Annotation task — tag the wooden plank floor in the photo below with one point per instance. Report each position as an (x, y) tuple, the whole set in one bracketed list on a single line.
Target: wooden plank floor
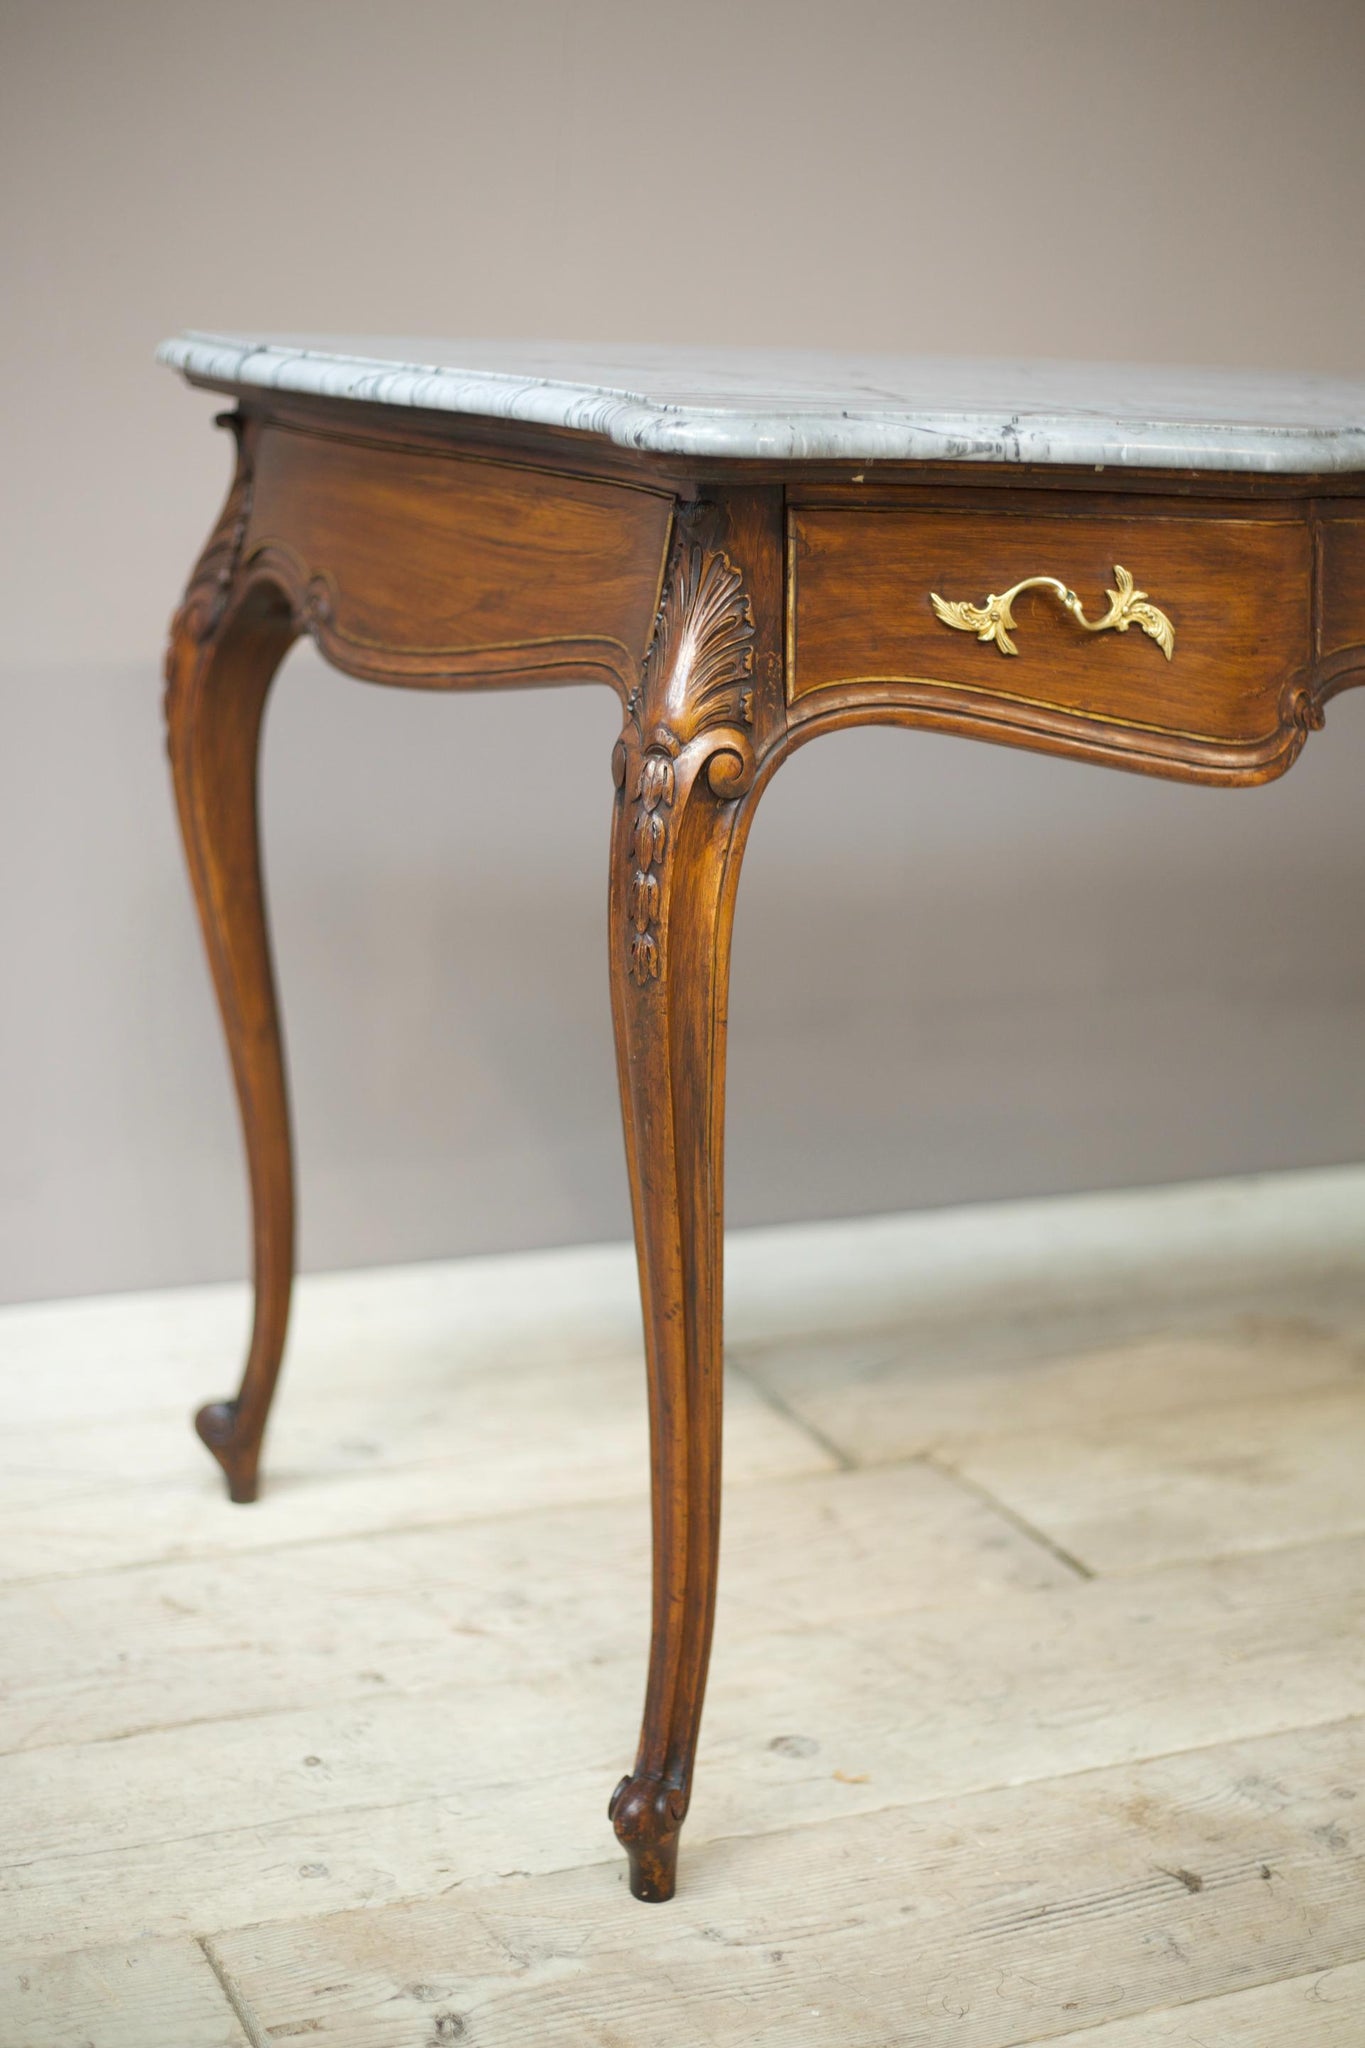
[(1038, 1702)]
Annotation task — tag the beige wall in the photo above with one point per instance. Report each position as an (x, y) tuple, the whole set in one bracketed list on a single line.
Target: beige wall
[(1045, 977)]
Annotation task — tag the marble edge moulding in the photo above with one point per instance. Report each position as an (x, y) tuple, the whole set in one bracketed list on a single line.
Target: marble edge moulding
[(804, 426)]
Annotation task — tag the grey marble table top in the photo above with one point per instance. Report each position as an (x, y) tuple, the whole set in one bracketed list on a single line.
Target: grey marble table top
[(790, 405)]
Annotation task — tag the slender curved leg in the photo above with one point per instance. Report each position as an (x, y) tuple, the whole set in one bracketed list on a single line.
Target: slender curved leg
[(223, 655), (684, 767)]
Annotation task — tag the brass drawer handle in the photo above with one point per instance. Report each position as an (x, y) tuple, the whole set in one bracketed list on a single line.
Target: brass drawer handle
[(1127, 607)]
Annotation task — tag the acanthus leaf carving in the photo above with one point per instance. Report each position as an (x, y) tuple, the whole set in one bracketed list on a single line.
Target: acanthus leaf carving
[(696, 683)]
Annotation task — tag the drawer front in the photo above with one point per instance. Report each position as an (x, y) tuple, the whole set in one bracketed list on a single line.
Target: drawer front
[(1237, 594)]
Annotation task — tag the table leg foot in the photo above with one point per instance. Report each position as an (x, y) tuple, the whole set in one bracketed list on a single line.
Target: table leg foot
[(238, 1455), (647, 1816)]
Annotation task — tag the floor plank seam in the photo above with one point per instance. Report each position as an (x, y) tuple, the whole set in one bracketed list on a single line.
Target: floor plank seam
[(957, 1795), (270, 1544), (844, 1460), (230, 1720), (437, 1687), (1182, 1561), (218, 1834), (246, 2019), (937, 1462), (968, 1792)]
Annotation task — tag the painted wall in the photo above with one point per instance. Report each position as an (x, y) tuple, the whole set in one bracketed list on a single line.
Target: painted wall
[(959, 972)]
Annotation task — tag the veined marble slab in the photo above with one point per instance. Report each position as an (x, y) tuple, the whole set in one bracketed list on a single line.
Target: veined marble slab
[(788, 404)]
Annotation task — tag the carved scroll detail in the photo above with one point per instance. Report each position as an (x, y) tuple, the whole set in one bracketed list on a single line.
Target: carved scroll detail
[(1303, 710), (695, 699)]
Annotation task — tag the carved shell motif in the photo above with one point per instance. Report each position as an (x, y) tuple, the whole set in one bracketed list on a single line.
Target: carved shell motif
[(702, 655)]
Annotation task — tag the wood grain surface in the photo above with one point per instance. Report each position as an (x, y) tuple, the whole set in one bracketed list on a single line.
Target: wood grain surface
[(439, 568)]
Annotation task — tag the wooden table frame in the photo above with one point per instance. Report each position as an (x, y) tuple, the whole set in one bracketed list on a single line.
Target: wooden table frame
[(739, 608)]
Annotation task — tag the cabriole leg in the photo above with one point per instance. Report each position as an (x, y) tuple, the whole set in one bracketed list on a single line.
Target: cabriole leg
[(685, 767), (223, 654)]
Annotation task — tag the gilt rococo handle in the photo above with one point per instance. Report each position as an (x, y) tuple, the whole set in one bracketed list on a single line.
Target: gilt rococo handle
[(1128, 606)]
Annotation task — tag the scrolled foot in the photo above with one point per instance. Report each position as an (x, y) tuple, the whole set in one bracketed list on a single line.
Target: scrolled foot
[(217, 1427), (647, 1815)]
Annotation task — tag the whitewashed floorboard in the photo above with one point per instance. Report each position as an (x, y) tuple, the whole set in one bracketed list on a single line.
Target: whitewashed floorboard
[(399, 1795), (1250, 1476), (1325, 2009), (150, 1994), (496, 1444), (893, 1394), (118, 1653), (951, 1790), (983, 1922)]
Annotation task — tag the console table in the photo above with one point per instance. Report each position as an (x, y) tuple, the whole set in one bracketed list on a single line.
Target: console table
[(1154, 570)]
